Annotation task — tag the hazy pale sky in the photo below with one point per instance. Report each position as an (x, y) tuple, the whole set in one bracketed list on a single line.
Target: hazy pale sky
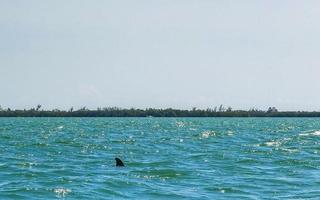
[(160, 53)]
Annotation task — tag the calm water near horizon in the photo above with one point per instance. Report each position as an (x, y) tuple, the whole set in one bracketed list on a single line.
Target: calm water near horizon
[(172, 158)]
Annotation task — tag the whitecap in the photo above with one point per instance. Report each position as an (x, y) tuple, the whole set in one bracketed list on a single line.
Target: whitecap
[(273, 143), (290, 150), (207, 134), (315, 133), (61, 192), (180, 124), (230, 133)]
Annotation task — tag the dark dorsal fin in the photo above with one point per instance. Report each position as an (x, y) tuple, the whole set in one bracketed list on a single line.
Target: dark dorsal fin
[(119, 163)]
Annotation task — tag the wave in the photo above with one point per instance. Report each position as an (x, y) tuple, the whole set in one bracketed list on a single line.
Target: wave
[(314, 133), (61, 192), (207, 134)]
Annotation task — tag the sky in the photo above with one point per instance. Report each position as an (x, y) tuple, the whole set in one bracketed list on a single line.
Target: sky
[(160, 53)]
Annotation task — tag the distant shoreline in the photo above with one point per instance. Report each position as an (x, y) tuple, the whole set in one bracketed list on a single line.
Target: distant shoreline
[(169, 112)]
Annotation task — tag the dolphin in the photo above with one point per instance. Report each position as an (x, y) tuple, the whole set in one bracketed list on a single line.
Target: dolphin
[(119, 163)]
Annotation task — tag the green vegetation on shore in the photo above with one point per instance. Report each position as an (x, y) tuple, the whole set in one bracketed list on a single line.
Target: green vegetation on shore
[(151, 112)]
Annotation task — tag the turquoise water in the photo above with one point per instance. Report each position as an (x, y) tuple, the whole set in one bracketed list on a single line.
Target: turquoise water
[(173, 158)]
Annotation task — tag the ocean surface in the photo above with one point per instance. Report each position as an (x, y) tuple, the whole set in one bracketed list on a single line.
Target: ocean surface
[(165, 158)]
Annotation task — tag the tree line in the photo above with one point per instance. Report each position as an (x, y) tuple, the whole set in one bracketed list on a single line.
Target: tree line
[(220, 111)]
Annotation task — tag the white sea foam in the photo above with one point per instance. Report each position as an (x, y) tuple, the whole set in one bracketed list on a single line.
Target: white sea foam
[(229, 133), (180, 124), (61, 192), (273, 143), (315, 133), (207, 134), (290, 150)]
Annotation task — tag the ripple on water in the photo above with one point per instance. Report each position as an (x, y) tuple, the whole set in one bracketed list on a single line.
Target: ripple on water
[(185, 158), (162, 173)]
